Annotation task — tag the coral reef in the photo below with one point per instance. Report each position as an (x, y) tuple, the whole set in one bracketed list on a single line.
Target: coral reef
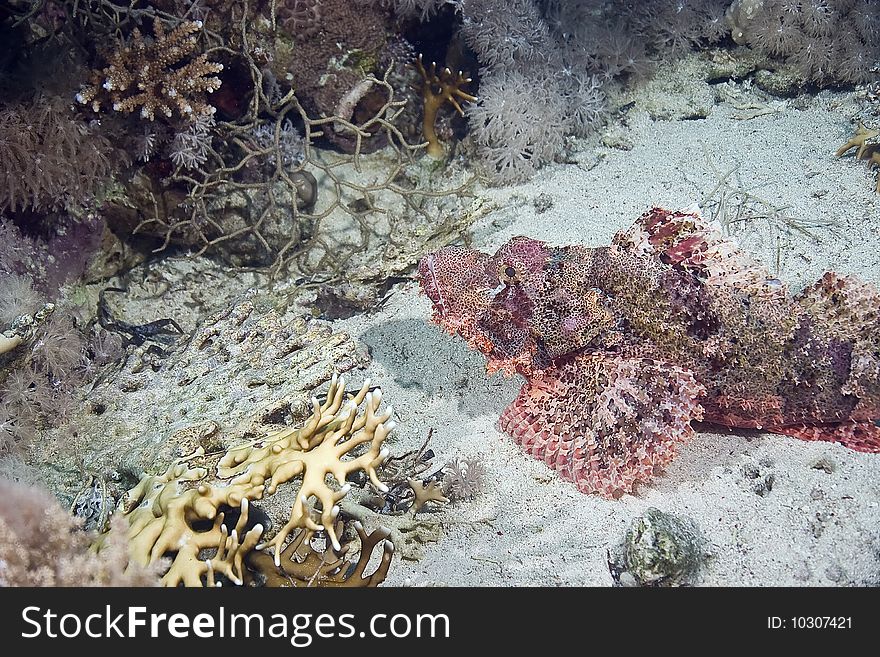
[(157, 77), (234, 115), (43, 256), (165, 512), (51, 161), (622, 346), (326, 49), (272, 215), (245, 370), (546, 65)]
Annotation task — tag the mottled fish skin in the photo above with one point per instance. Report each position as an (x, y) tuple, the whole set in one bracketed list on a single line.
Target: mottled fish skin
[(672, 297)]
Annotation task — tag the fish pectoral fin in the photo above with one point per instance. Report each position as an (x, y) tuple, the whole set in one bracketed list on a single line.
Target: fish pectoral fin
[(858, 436), (605, 422)]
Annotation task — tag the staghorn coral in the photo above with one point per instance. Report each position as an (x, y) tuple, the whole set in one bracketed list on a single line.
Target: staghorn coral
[(622, 346), (156, 77), (165, 512)]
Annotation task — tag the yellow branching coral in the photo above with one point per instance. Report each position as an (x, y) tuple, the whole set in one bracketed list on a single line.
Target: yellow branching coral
[(313, 452), (425, 492), (858, 141), (866, 149), (182, 511), (156, 77), (440, 88)]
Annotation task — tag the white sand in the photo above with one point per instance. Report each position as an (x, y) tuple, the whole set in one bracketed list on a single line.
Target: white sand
[(528, 527)]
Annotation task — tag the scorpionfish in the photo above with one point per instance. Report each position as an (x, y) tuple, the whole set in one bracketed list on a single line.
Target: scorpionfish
[(623, 346)]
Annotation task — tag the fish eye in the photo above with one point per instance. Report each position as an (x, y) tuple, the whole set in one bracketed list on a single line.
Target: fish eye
[(510, 272)]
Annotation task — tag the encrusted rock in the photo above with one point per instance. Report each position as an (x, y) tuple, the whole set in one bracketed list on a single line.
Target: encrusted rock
[(662, 549), (243, 370)]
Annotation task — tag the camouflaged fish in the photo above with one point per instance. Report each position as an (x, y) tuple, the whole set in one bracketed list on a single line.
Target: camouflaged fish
[(623, 346)]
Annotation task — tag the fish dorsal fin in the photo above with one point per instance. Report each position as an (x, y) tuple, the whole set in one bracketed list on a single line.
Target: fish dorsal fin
[(686, 239)]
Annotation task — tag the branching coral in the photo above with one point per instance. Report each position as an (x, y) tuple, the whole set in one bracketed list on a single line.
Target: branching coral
[(426, 492), (164, 512), (866, 149), (302, 565), (440, 88), (158, 77)]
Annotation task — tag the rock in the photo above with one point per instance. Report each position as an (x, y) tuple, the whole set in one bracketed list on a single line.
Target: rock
[(679, 92), (662, 549), (244, 371)]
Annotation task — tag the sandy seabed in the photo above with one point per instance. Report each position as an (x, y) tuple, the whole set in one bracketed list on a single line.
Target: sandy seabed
[(774, 510)]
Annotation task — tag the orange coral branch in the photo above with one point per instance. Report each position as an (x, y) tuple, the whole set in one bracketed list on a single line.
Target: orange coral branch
[(438, 89)]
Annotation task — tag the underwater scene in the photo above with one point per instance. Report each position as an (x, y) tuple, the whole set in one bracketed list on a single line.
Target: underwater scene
[(349, 293)]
